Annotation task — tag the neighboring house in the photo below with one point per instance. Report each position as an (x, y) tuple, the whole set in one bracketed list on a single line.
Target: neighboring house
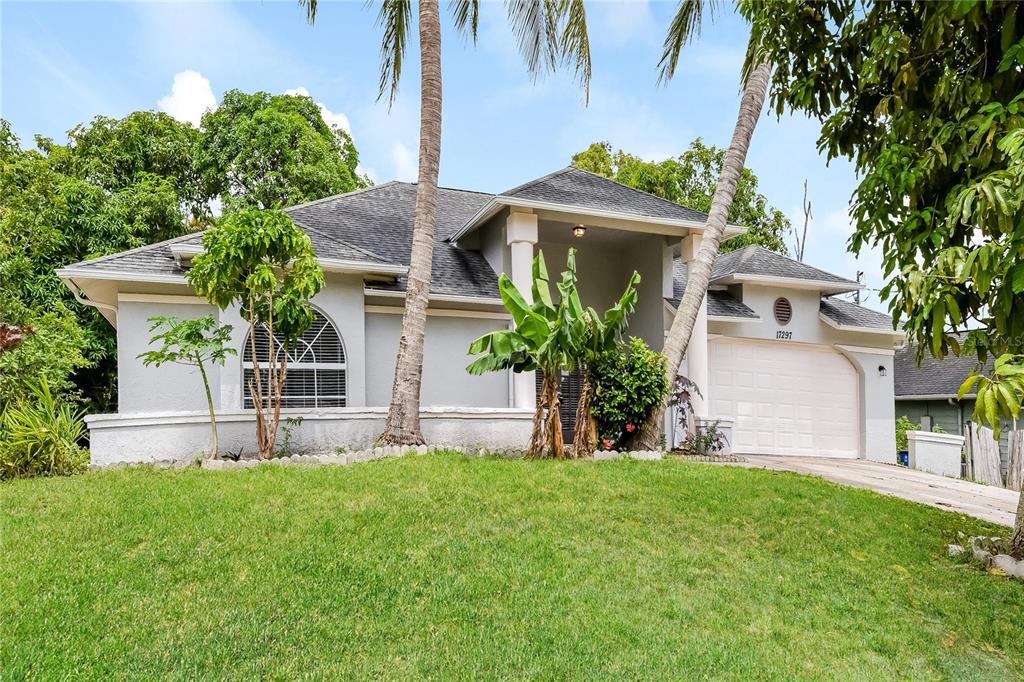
[(797, 370), (926, 393)]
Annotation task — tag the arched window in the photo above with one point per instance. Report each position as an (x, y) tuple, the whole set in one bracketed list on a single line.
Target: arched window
[(316, 366)]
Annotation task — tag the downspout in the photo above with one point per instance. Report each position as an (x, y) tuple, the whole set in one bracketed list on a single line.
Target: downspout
[(79, 295), (959, 415)]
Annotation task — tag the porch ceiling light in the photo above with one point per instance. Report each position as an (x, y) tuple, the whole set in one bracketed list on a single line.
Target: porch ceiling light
[(579, 230)]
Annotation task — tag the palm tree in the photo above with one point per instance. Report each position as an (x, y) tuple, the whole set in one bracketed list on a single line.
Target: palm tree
[(756, 74), (549, 32)]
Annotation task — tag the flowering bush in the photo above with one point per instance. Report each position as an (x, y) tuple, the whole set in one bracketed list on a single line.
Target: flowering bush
[(629, 381)]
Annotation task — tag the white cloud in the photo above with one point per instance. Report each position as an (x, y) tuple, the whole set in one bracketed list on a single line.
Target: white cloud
[(406, 163), (330, 118), (191, 96)]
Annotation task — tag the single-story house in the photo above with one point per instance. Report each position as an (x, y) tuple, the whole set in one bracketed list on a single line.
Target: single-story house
[(926, 393), (796, 369)]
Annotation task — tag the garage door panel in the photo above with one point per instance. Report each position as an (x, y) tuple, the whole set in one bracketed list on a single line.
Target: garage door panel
[(785, 399)]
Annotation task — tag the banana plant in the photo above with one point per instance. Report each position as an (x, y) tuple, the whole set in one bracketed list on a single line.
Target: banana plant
[(545, 337), (553, 338), (601, 334)]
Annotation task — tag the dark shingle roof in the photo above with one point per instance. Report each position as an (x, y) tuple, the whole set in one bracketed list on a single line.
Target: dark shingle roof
[(372, 225), (852, 315), (757, 260), (152, 259), (380, 220), (574, 187), (720, 303), (933, 377)]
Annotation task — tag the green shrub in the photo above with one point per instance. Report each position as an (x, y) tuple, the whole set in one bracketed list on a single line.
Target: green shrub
[(629, 382), (41, 437), (53, 352), (903, 424)]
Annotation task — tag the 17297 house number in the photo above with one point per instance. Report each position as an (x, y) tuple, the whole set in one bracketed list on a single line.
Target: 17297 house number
[(784, 335)]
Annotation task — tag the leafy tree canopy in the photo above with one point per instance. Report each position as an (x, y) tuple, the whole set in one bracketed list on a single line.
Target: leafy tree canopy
[(267, 151), (117, 184), (690, 179), (926, 98)]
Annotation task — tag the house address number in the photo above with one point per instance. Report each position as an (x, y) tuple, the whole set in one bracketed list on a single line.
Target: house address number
[(784, 335)]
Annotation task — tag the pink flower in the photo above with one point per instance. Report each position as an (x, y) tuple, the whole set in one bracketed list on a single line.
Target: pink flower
[(630, 428), (607, 442)]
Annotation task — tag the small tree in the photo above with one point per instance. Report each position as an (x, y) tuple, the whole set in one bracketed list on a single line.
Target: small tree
[(262, 262), (193, 343)]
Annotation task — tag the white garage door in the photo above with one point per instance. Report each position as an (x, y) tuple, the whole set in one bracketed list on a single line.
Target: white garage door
[(785, 399)]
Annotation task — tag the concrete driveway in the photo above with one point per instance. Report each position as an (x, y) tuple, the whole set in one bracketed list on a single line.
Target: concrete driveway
[(985, 502)]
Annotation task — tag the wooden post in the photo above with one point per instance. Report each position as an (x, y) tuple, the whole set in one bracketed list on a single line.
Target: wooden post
[(1015, 469), (983, 464)]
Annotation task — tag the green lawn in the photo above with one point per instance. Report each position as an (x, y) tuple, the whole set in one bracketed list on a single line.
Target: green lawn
[(448, 567)]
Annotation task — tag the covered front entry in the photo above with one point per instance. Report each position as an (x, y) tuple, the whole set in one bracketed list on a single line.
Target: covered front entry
[(786, 399)]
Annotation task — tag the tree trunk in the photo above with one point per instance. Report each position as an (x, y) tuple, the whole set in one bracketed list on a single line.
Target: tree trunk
[(556, 444), (1017, 543), (584, 440), (699, 271), (209, 404), (537, 437), (403, 422)]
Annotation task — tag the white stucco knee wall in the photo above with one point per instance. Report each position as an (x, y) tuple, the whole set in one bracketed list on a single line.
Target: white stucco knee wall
[(936, 453), (185, 435)]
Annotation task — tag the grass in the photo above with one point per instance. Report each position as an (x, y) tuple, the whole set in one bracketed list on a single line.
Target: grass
[(448, 567)]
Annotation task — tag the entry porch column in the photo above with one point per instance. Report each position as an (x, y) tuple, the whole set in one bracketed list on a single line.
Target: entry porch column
[(697, 350), (521, 233)]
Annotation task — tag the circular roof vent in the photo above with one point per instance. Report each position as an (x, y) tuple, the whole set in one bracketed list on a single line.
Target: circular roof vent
[(783, 311)]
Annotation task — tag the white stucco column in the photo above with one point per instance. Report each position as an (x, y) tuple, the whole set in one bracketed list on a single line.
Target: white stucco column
[(521, 231), (697, 351)]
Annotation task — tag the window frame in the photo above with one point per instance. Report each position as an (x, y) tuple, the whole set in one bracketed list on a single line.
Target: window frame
[(248, 403)]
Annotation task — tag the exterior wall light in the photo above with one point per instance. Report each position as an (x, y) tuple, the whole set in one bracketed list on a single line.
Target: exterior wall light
[(579, 230), (882, 371)]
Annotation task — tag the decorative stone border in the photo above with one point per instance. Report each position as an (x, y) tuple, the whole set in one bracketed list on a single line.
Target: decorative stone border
[(337, 459), (644, 455), (986, 551), (370, 454), (732, 459)]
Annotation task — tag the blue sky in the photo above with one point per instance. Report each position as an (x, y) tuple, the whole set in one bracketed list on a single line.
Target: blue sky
[(63, 63)]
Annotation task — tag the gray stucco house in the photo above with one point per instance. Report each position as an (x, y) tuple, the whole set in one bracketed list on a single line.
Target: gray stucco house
[(926, 393), (793, 368)]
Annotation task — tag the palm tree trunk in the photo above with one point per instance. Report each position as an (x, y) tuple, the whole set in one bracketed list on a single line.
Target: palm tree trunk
[(403, 423), (699, 271)]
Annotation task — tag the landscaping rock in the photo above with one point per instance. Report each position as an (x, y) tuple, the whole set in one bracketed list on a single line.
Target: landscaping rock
[(1009, 565), (955, 550), (646, 455), (604, 455)]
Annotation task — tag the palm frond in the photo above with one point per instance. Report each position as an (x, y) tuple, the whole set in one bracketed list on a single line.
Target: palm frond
[(394, 18), (310, 7), (685, 27), (576, 42), (534, 25), (466, 14)]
